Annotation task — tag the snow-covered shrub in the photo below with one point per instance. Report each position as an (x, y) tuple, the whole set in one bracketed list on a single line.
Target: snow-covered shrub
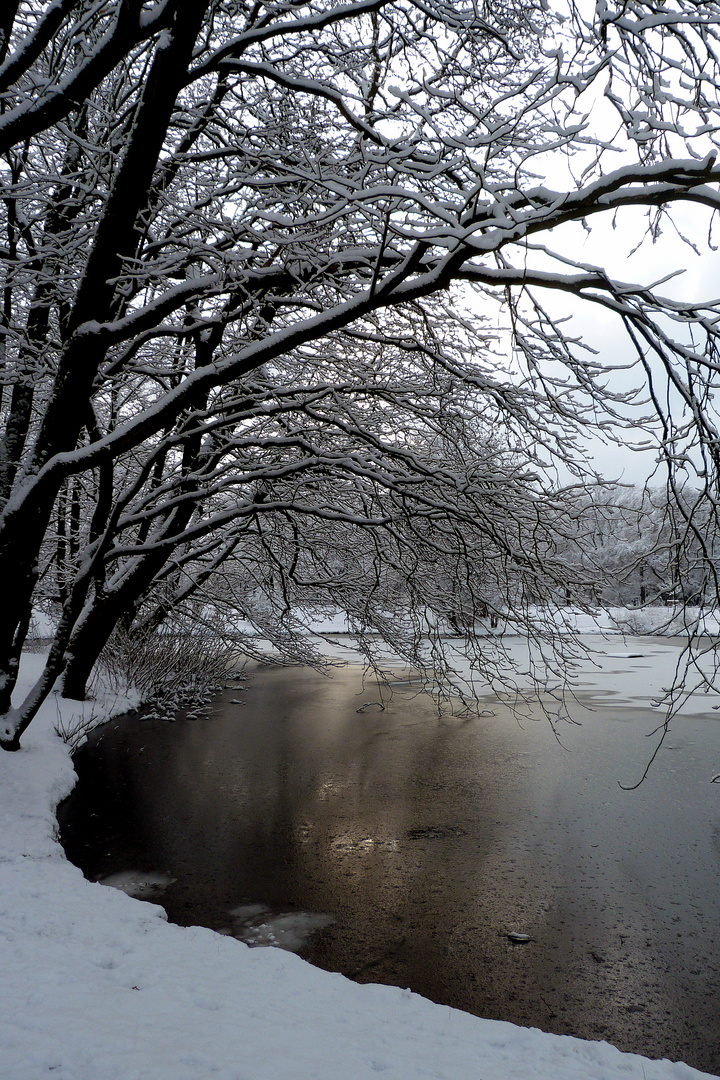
[(178, 666), (675, 621), (75, 730)]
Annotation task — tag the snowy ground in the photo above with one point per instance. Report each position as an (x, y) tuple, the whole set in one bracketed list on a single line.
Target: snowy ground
[(665, 621), (97, 986)]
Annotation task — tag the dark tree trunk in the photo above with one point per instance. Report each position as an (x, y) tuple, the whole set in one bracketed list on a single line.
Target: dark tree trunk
[(26, 522), (7, 19), (87, 644)]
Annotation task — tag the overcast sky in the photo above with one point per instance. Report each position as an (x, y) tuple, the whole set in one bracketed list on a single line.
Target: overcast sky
[(612, 249)]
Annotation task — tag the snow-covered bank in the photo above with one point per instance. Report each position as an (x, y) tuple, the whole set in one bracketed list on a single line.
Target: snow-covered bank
[(96, 986), (662, 621)]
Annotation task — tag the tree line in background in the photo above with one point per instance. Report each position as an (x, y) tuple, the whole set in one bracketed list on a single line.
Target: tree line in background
[(638, 546), (282, 319)]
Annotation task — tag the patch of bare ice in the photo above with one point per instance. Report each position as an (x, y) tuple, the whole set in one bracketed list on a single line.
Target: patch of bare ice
[(142, 886), (257, 926)]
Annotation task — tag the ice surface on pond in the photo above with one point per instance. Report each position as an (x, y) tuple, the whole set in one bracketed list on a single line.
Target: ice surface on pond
[(135, 883), (96, 987), (257, 926), (248, 911)]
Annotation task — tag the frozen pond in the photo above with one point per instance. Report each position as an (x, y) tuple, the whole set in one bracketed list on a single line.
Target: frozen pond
[(399, 847)]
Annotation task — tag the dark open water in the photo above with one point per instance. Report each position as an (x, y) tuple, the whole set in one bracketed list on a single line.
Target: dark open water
[(427, 840)]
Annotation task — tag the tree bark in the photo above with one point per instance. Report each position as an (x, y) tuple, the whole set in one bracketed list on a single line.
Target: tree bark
[(22, 536)]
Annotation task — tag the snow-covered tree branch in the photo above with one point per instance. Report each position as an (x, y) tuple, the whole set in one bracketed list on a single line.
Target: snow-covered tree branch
[(275, 276)]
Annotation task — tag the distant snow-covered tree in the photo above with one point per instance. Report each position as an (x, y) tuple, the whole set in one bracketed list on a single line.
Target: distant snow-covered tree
[(636, 546)]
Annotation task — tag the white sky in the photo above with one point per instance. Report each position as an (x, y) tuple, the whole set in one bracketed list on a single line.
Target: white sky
[(612, 249), (621, 246)]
